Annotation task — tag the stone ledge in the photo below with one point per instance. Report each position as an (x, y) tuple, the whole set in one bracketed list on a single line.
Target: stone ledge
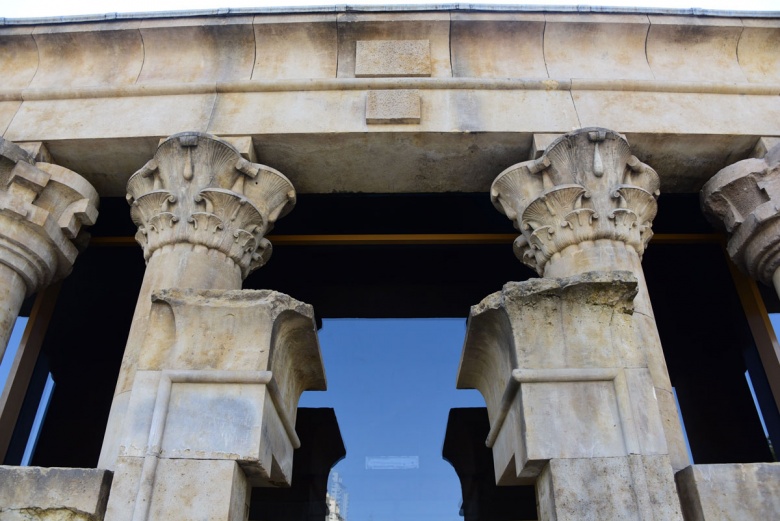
[(53, 493), (730, 491)]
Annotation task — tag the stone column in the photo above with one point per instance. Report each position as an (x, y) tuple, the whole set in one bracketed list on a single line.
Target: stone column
[(570, 365), (42, 209), (202, 211), (744, 199)]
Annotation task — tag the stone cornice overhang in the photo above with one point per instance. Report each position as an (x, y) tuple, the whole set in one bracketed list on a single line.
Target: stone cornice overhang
[(693, 90)]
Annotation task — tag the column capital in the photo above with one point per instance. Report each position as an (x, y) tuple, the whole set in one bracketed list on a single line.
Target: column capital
[(744, 199), (586, 186), (42, 210), (199, 190)]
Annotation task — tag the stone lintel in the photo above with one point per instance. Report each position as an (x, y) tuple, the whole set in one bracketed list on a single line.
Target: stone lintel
[(730, 491), (53, 493), (392, 58), (393, 107)]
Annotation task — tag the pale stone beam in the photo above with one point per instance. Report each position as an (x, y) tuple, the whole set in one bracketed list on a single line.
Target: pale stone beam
[(202, 212), (42, 210)]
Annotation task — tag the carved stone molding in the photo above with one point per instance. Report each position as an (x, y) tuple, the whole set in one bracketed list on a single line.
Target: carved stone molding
[(42, 210), (744, 199), (199, 190), (585, 187)]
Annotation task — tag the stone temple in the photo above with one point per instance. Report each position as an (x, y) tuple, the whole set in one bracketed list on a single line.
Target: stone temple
[(597, 192)]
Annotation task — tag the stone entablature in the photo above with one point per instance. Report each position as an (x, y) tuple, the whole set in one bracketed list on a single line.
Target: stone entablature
[(289, 80)]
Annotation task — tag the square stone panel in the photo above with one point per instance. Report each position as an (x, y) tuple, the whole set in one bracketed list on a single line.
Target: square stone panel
[(392, 58), (393, 106)]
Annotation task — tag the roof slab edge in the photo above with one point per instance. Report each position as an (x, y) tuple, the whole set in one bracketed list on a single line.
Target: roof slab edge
[(348, 8)]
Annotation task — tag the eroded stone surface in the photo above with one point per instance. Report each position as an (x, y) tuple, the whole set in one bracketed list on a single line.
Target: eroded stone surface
[(743, 199), (615, 489), (221, 373), (730, 492), (392, 58), (393, 106), (53, 494), (42, 210), (565, 345)]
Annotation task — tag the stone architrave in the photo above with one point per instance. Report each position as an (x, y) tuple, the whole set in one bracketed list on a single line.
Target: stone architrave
[(587, 204), (570, 365), (42, 210), (743, 199), (202, 212), (213, 405)]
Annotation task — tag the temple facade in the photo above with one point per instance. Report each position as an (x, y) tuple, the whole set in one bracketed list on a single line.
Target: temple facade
[(597, 193)]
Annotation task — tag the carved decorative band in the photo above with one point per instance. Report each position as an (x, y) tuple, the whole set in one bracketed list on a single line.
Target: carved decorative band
[(42, 209), (199, 190), (586, 186), (743, 198)]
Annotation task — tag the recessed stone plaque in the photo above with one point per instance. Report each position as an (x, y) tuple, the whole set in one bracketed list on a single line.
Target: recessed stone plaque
[(392, 106), (392, 58)]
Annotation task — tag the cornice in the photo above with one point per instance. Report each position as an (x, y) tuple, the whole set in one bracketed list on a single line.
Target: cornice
[(349, 8)]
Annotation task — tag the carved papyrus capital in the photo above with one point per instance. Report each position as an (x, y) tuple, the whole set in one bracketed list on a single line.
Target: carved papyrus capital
[(585, 187), (744, 199), (42, 209), (199, 190)]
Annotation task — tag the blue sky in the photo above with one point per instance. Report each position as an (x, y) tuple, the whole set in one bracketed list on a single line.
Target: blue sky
[(392, 384)]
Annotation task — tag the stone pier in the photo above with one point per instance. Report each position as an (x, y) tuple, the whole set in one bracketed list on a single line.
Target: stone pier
[(202, 210), (570, 365)]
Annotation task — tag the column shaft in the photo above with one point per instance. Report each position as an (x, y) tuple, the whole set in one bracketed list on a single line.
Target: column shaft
[(12, 292)]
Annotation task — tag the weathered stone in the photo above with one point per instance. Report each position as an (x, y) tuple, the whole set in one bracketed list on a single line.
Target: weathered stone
[(393, 106), (53, 494), (586, 204), (743, 199), (615, 489), (730, 492), (542, 345), (202, 211), (220, 376), (42, 210), (391, 58)]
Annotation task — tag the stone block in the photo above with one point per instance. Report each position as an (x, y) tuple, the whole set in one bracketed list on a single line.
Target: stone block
[(730, 492), (302, 46), (764, 145), (392, 58), (53, 493), (513, 50), (185, 490), (212, 415), (393, 106), (608, 489)]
